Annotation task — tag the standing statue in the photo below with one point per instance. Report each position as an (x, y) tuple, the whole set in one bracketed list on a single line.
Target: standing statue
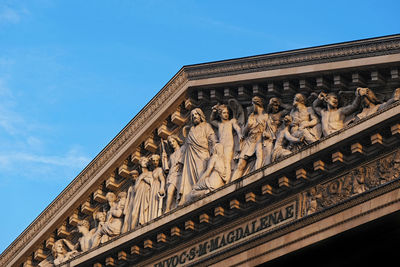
[(214, 176), (253, 134), (200, 140), (285, 141), (62, 251), (129, 204), (371, 104), (112, 226), (332, 117), (157, 189), (275, 110), (304, 121), (138, 211), (225, 128), (174, 170)]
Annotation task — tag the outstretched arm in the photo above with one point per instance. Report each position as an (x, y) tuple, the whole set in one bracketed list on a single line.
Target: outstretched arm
[(290, 137), (317, 103), (347, 110), (313, 118), (162, 183), (395, 97), (286, 109), (213, 117)]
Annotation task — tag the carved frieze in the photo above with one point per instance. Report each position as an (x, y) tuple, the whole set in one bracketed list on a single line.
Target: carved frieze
[(356, 181), (211, 145)]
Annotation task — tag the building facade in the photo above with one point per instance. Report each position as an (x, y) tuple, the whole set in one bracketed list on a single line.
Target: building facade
[(258, 160)]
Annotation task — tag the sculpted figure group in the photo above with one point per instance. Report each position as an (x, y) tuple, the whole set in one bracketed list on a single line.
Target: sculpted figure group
[(215, 152)]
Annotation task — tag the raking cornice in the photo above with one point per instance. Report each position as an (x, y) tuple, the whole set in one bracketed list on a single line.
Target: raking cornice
[(330, 53)]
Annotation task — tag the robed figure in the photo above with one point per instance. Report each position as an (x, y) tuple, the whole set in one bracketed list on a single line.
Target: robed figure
[(137, 205), (157, 189), (200, 139)]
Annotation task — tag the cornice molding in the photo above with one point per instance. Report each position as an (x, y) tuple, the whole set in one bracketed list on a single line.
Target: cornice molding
[(344, 51), (123, 137), (300, 57), (263, 174)]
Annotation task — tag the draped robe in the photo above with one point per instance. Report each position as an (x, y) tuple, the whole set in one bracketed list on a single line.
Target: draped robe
[(137, 208), (155, 200), (195, 155)]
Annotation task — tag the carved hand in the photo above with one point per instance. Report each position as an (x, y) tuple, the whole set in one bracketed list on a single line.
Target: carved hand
[(303, 124), (215, 108), (361, 91), (322, 96), (267, 135), (161, 193)]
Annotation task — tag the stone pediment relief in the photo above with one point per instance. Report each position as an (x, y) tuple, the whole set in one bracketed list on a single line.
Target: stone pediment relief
[(192, 139), (209, 151)]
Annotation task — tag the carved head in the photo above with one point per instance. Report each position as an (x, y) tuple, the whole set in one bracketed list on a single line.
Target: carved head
[(110, 196), (155, 159), (83, 226), (121, 199), (100, 216), (274, 105), (299, 99), (223, 112), (143, 162), (59, 248), (197, 116), (121, 195), (62, 251), (257, 101), (313, 191), (332, 100), (287, 120), (174, 141)]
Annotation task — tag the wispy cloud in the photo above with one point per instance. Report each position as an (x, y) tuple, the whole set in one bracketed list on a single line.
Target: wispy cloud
[(72, 158), (9, 119), (41, 166), (10, 14), (22, 144)]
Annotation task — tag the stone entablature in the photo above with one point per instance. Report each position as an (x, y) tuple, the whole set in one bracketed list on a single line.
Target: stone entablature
[(326, 168), (167, 114)]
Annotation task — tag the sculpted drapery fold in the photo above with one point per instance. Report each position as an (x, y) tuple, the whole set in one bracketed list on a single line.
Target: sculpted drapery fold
[(199, 141), (209, 153)]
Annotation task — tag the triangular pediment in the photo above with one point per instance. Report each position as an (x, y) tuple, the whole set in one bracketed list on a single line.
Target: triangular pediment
[(270, 172)]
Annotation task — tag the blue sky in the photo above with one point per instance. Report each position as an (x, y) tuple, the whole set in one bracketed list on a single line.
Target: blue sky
[(74, 73)]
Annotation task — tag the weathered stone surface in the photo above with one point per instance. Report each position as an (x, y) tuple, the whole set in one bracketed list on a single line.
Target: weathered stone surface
[(223, 162)]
